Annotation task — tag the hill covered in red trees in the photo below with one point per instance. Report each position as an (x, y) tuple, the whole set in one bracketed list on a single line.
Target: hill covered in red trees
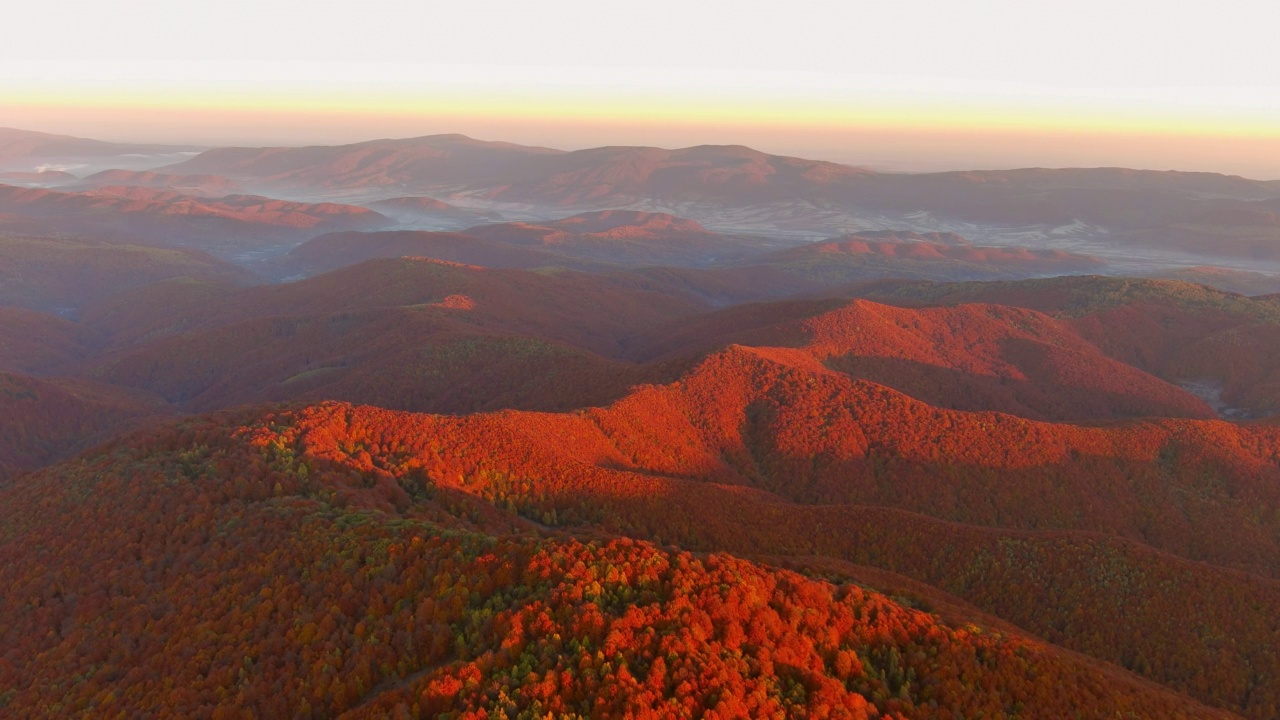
[(423, 335), (370, 595), (1042, 513), (625, 463), (32, 341), (1177, 330), (43, 420), (764, 451)]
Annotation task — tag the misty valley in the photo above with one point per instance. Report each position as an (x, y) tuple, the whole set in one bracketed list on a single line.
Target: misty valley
[(443, 427)]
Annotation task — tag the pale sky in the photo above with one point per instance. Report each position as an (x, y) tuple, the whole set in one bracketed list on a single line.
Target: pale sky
[(913, 83)]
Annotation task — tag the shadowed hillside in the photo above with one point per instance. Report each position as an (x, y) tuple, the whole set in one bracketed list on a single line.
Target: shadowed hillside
[(626, 237), (60, 275), (43, 420), (333, 251), (33, 341)]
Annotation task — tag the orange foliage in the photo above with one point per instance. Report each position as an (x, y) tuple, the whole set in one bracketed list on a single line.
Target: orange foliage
[(729, 458), (212, 576)]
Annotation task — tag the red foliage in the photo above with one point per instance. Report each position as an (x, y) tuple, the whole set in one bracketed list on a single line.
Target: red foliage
[(727, 458), (46, 420), (211, 576)]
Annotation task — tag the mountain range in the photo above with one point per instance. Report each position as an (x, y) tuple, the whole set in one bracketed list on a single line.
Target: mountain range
[(448, 428)]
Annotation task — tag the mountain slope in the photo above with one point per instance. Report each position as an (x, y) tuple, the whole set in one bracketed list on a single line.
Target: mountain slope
[(1184, 333), (418, 209), (969, 357), (410, 333), (923, 249), (35, 342), (731, 457), (333, 251), (424, 335), (310, 596), (1122, 213), (64, 275), (410, 164), (17, 146), (199, 185), (226, 225), (627, 237), (43, 420)]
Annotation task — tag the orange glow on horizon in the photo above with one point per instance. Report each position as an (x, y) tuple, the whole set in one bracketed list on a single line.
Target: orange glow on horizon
[(800, 114), (903, 136)]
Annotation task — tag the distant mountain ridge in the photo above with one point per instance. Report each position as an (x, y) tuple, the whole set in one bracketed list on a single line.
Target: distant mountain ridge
[(410, 164), (736, 186), (203, 185), (43, 178), (446, 428), (707, 172), (517, 173), (222, 226), (18, 146)]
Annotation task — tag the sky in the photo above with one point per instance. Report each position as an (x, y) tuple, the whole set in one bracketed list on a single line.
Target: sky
[(895, 84)]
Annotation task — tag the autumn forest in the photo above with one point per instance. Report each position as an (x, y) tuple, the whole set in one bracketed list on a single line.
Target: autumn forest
[(444, 428)]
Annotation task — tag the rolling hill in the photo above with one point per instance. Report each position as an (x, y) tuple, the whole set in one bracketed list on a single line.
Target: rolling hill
[(1243, 282), (198, 185), (34, 342), (66, 275), (1220, 343), (326, 599), (599, 241), (427, 335), (763, 450), (228, 226), (707, 433), (515, 173), (626, 237), (43, 420), (581, 308), (398, 166), (419, 209), (923, 248), (729, 174), (1132, 214), (22, 149), (410, 333), (758, 450), (333, 251), (969, 357), (39, 178), (839, 266)]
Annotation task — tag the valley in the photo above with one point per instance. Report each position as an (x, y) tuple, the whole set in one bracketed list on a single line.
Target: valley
[(442, 427)]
